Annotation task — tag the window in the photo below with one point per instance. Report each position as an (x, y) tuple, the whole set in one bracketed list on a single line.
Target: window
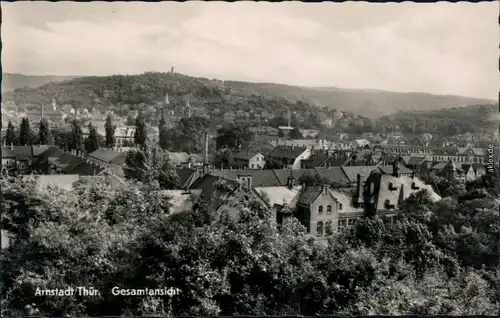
[(319, 228), (320, 210), (252, 165), (329, 209), (351, 222), (340, 206)]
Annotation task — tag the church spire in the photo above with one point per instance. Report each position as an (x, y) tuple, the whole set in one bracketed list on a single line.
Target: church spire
[(166, 101)]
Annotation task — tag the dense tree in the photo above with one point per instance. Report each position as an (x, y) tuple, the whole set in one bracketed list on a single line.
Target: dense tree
[(25, 133), (76, 142), (431, 259), (272, 163), (234, 137), (163, 138), (92, 142), (295, 134), (44, 134), (10, 135), (224, 158), (62, 138), (140, 135), (150, 163), (110, 132)]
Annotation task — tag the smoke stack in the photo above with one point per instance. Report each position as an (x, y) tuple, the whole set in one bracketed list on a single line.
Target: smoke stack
[(11, 146)]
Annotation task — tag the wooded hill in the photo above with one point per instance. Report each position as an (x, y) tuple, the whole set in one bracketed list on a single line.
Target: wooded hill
[(151, 87), (476, 118)]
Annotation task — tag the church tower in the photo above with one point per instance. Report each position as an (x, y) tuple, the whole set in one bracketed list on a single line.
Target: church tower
[(166, 108), (188, 108), (450, 170)]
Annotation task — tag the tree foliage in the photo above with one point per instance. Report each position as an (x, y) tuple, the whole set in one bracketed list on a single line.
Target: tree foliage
[(25, 133), (76, 141), (110, 132), (151, 163), (11, 137), (140, 135), (234, 137), (44, 134), (434, 258), (92, 142)]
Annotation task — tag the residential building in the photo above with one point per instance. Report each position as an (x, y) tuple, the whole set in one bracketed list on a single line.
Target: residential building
[(249, 159), (290, 157), (324, 211), (382, 194)]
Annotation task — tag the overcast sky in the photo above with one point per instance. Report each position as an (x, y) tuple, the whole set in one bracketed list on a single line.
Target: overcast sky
[(442, 48)]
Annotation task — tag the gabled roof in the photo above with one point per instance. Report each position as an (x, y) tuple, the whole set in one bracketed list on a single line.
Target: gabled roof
[(51, 152), (404, 184), (120, 159), (76, 161), (309, 195), (23, 152), (187, 177), (38, 150), (280, 195), (8, 153), (283, 174), (333, 174), (415, 160), (260, 178), (439, 166), (288, 152), (245, 155), (84, 169), (67, 158), (210, 193), (106, 155), (389, 169), (352, 172)]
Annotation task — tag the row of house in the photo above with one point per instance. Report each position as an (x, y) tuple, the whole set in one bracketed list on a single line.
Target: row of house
[(322, 209)]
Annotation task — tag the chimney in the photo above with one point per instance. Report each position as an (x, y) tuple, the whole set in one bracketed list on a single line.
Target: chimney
[(205, 152), (395, 168), (11, 146), (325, 189)]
